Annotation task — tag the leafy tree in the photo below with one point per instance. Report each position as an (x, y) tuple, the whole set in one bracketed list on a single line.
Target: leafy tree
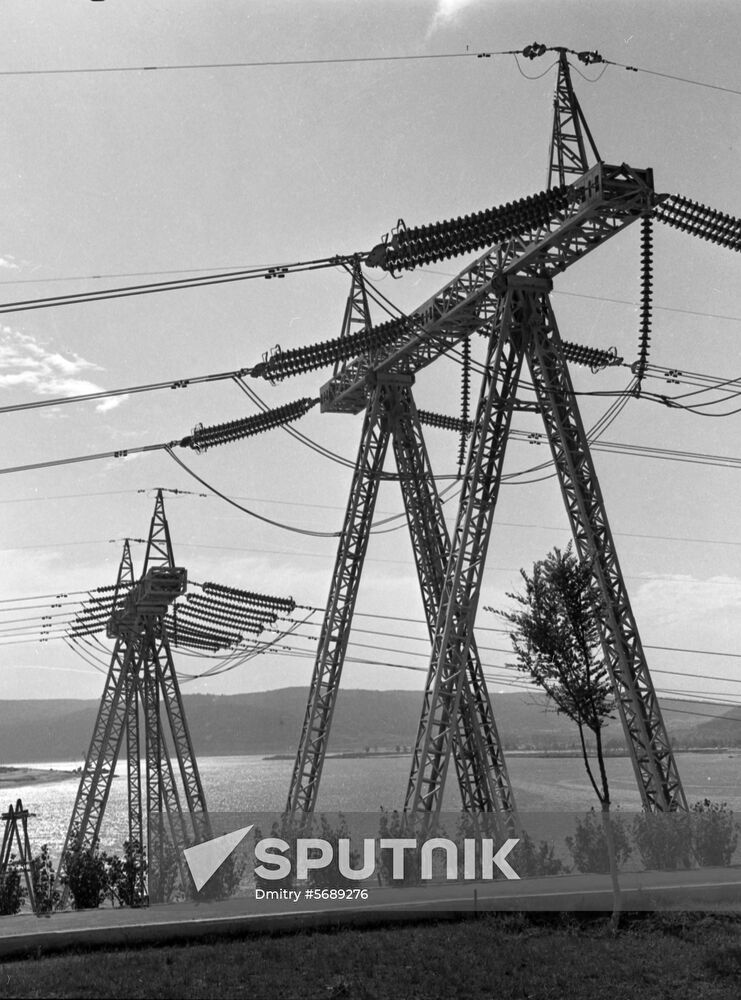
[(556, 639)]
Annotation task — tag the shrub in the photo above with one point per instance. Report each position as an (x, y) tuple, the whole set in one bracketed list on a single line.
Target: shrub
[(714, 833), (86, 872), (330, 876), (11, 888), (589, 845), (285, 830), (391, 826), (163, 874), (225, 881), (531, 861), (46, 895), (663, 840), (126, 875)]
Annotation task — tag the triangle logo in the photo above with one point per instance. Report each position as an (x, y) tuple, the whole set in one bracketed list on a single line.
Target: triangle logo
[(206, 858)]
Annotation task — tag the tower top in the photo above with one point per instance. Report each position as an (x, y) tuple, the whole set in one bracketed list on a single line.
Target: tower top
[(571, 139)]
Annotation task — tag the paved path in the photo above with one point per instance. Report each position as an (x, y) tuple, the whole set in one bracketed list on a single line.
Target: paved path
[(713, 888)]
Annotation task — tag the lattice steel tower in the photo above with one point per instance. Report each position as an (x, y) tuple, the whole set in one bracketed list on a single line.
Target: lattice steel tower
[(162, 817), (505, 296)]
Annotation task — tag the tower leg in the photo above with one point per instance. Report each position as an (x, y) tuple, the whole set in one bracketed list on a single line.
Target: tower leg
[(477, 751), (133, 773), (163, 802), (461, 589), (335, 631), (102, 755), (648, 742), (194, 795)]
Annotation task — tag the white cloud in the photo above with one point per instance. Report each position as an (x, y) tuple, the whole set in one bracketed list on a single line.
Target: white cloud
[(110, 404), (673, 600), (692, 614), (447, 11), (26, 364), (9, 263)]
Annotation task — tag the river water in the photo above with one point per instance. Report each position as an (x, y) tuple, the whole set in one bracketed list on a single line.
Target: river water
[(252, 785)]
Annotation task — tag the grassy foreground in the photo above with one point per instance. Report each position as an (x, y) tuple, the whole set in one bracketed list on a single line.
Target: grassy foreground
[(682, 957)]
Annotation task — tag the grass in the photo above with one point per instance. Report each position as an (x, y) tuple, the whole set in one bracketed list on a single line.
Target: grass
[(682, 957)]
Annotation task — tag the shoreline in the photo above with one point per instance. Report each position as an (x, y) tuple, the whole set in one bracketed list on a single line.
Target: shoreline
[(361, 755), (10, 776)]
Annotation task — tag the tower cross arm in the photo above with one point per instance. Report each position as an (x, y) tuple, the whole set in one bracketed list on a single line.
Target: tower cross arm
[(601, 202)]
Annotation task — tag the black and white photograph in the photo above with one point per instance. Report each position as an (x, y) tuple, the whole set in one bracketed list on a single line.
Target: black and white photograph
[(370, 544)]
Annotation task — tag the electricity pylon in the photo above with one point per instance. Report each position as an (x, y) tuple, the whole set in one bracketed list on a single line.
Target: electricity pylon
[(505, 296), (142, 673), (15, 835), (479, 759)]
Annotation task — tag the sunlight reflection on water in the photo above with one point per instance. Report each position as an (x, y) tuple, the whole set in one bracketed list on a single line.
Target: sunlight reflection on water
[(363, 784)]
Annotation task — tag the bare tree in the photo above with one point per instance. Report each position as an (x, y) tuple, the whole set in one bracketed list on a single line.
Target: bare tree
[(556, 639)]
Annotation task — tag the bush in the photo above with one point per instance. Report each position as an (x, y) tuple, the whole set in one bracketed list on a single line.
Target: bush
[(127, 875), (714, 833), (164, 874), (11, 889), (530, 861), (225, 881), (46, 894), (664, 840), (589, 845), (391, 826), (330, 876), (86, 872), (288, 831)]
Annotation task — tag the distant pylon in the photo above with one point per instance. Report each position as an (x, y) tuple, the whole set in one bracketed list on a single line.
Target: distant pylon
[(16, 828), (142, 673)]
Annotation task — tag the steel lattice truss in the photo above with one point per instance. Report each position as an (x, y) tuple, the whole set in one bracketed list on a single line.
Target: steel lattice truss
[(504, 295), (142, 702)]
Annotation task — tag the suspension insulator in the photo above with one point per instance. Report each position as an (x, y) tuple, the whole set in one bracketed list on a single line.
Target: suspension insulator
[(644, 333), (465, 402), (208, 604), (411, 247), (208, 437), (248, 596), (699, 220), (445, 422), (591, 357), (284, 364), (198, 615)]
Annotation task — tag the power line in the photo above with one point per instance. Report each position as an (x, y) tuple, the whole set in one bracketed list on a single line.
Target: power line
[(613, 447), (256, 64), (346, 60), (275, 271), (180, 383), (632, 302), (670, 76)]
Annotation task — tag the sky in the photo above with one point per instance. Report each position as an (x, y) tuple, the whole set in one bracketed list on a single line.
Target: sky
[(119, 177)]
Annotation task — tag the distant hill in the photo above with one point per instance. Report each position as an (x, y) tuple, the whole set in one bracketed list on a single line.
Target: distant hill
[(270, 722)]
